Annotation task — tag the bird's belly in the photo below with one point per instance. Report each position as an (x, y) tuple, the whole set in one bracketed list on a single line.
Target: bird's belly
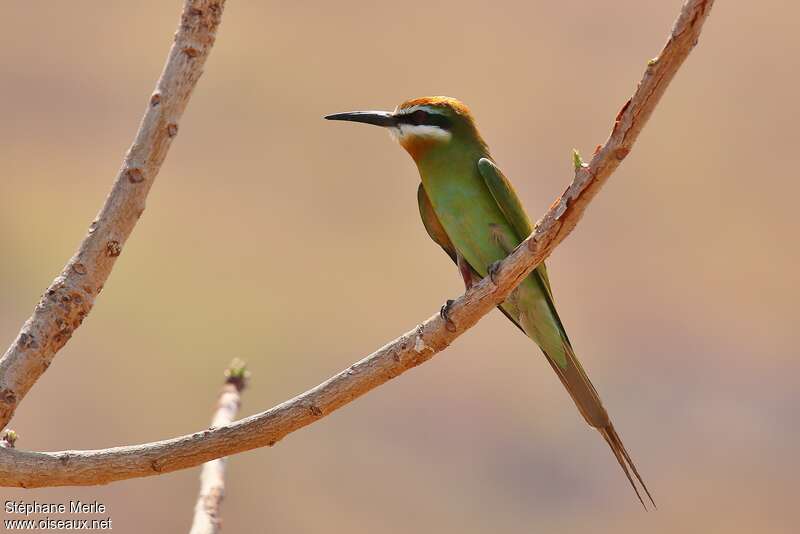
[(475, 225)]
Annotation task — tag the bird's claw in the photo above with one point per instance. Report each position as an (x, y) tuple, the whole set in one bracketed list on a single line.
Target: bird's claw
[(492, 270), (444, 313)]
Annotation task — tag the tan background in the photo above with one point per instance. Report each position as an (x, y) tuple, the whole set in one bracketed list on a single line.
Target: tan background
[(271, 234)]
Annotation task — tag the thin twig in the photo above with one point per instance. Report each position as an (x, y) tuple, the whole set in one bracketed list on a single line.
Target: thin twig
[(207, 516), (70, 297), (34, 469)]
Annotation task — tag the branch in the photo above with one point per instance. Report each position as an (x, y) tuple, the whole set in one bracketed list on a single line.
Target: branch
[(70, 297), (207, 518), (35, 469)]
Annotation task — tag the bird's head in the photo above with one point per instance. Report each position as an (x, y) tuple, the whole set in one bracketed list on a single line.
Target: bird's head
[(422, 125)]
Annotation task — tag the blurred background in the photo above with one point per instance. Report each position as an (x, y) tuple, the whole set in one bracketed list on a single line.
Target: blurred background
[(274, 236)]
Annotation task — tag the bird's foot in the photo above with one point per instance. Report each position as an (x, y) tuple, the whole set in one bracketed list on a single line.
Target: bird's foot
[(444, 313), (492, 270)]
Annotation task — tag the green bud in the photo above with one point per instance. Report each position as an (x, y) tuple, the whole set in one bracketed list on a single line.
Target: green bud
[(577, 160)]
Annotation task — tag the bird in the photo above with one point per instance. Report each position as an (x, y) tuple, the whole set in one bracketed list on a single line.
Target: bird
[(471, 210)]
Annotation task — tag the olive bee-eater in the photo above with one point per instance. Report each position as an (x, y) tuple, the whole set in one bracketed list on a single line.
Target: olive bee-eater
[(471, 210)]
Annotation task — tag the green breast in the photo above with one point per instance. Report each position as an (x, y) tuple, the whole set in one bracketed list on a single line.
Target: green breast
[(465, 207)]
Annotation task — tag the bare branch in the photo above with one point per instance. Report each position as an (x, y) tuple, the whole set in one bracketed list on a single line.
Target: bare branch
[(70, 297), (207, 517), (34, 469)]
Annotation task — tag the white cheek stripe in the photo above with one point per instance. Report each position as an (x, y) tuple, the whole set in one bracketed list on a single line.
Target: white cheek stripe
[(426, 131)]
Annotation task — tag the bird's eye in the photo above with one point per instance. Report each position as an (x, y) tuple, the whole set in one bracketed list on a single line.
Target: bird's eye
[(419, 117)]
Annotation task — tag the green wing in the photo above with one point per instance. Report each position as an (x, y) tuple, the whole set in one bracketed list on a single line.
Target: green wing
[(508, 201), (505, 196)]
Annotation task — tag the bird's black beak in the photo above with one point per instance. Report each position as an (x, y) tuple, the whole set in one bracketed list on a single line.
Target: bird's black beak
[(378, 118)]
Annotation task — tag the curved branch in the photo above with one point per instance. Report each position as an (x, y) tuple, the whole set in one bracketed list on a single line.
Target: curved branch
[(70, 297), (34, 469)]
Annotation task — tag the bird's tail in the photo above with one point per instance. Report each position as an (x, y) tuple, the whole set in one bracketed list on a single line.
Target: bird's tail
[(587, 400), (532, 309)]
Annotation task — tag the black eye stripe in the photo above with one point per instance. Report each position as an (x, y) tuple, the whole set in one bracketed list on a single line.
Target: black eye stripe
[(423, 118), (419, 117)]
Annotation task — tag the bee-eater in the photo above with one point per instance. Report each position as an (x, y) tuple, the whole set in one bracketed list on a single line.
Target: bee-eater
[(471, 210)]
